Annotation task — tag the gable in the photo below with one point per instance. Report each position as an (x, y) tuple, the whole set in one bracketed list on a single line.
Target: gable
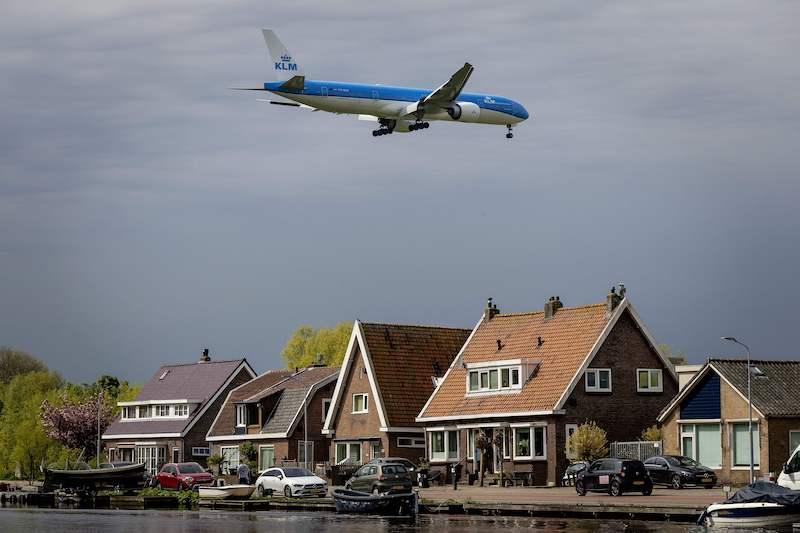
[(355, 381), (703, 402)]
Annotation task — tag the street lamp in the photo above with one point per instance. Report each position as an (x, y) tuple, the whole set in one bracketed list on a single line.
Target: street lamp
[(749, 403)]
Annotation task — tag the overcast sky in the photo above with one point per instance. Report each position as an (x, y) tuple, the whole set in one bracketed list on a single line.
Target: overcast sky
[(148, 212)]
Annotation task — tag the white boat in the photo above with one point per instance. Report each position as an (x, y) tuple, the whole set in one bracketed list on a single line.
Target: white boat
[(750, 515), (226, 491)]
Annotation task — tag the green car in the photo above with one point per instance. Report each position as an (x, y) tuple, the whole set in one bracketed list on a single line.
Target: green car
[(380, 479)]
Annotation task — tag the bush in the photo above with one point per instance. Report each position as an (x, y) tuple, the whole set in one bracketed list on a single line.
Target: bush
[(651, 434), (186, 498), (589, 442)]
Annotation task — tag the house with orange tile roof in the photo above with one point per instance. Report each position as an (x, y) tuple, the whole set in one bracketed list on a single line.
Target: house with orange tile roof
[(281, 413), (388, 373), (527, 380)]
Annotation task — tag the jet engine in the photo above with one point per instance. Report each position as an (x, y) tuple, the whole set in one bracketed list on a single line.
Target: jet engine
[(464, 111)]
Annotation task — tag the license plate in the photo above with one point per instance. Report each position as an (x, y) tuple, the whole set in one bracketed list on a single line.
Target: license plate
[(398, 487), (638, 482)]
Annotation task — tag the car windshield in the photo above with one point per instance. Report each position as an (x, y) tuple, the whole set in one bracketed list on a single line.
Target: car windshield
[(296, 472), (190, 468), (682, 461)]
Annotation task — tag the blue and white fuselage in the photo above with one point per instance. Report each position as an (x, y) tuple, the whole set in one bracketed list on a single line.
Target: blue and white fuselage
[(394, 108)]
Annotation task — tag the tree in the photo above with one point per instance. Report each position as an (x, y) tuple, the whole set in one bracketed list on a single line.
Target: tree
[(15, 362), (589, 442), (76, 424), (651, 434), (676, 358), (306, 343)]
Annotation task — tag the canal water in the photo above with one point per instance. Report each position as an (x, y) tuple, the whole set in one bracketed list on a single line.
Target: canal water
[(29, 520)]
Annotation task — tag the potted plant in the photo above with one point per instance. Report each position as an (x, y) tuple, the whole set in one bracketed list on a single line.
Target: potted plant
[(213, 463)]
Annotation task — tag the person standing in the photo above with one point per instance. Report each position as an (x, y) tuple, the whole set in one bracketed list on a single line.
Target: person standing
[(244, 473)]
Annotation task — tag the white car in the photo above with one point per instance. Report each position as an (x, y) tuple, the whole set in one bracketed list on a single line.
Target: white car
[(290, 482), (790, 473)]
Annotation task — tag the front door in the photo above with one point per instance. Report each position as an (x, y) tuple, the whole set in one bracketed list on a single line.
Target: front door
[(266, 457), (176, 455)]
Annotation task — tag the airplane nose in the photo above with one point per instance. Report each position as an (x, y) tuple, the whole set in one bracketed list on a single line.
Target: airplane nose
[(523, 113)]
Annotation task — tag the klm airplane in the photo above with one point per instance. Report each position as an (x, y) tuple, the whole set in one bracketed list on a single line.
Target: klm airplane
[(395, 109)]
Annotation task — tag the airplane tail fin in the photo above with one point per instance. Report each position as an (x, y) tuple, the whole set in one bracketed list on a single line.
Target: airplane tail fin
[(284, 65)]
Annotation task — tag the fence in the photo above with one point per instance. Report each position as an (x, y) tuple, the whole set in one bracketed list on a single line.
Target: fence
[(640, 450)]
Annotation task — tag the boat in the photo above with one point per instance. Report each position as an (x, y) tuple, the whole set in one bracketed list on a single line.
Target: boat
[(90, 479), (225, 492), (760, 504), (353, 501)]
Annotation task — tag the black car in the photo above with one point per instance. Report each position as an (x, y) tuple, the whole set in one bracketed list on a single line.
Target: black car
[(380, 479), (614, 476), (678, 471)]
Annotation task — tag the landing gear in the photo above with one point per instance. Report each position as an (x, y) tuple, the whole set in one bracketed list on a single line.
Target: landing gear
[(418, 126), (387, 127), (381, 131), (509, 135)]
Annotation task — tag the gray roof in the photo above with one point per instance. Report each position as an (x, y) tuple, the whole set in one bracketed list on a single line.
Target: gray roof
[(775, 394), (290, 403)]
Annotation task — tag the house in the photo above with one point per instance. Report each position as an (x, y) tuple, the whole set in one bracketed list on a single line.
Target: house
[(387, 375), (170, 416), (708, 420), (281, 413), (527, 380), (686, 373)]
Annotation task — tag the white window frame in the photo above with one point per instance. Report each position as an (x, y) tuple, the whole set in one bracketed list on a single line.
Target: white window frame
[(756, 444), (531, 444), (693, 434), (365, 397), (486, 372), (200, 451), (157, 409), (126, 412), (446, 441), (231, 469), (262, 447), (571, 454), (326, 406), (596, 373), (347, 445), (650, 373), (471, 433), (241, 415), (410, 442), (183, 408)]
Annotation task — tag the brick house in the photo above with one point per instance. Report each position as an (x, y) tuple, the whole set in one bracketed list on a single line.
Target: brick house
[(387, 376), (270, 412), (708, 420), (168, 420), (527, 380)]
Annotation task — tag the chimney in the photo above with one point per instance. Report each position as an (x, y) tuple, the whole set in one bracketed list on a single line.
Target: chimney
[(491, 310), (552, 305), (205, 357), (613, 299)]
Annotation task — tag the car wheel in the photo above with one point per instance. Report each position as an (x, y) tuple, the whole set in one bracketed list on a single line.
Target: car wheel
[(648, 488), (157, 485), (262, 491), (709, 486), (348, 486), (615, 489), (676, 482), (580, 488), (375, 491), (287, 491)]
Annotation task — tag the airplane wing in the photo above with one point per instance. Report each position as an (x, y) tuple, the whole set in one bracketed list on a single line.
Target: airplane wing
[(449, 91)]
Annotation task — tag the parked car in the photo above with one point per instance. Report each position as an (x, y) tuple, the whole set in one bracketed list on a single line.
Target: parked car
[(182, 476), (380, 479), (411, 467), (291, 482), (572, 471), (614, 476), (678, 471)]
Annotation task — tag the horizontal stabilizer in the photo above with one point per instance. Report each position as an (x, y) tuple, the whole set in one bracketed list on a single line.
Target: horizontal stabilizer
[(288, 104)]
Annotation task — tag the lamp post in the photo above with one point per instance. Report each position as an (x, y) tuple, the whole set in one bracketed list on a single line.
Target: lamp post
[(749, 404)]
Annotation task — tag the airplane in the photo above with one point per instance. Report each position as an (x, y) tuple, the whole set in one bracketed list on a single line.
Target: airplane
[(395, 109)]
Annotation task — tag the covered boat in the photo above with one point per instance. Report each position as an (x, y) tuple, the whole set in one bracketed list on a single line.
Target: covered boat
[(224, 492), (760, 504), (352, 501), (91, 479)]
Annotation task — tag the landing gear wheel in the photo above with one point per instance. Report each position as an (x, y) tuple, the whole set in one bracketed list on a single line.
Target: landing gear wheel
[(426, 125), (580, 488), (615, 489), (509, 135), (374, 133), (676, 482), (287, 491)]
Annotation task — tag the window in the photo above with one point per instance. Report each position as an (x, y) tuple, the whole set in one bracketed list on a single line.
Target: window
[(128, 412), (444, 445), (506, 443), (375, 450), (598, 380), (153, 457), (182, 410), (505, 378), (524, 448), (241, 415), (493, 383), (648, 380), (326, 405), (410, 442), (702, 443), (144, 411), (301, 451), (471, 443), (794, 440), (569, 429), (360, 403), (473, 381), (160, 410), (515, 376), (348, 452), (230, 459), (740, 444), (201, 452), (494, 379)]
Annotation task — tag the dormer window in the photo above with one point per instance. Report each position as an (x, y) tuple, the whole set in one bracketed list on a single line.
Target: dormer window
[(241, 415), (488, 379)]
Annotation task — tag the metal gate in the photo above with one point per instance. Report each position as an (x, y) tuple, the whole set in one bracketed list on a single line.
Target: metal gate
[(640, 450)]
